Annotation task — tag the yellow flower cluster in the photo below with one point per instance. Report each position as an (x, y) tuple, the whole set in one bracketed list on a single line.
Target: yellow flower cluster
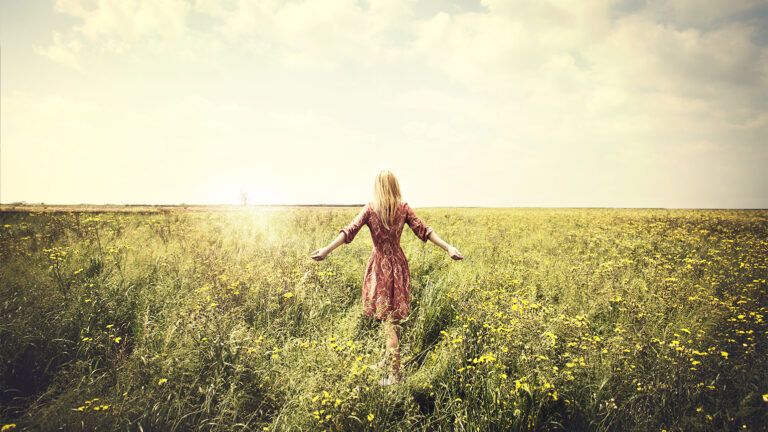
[(90, 404)]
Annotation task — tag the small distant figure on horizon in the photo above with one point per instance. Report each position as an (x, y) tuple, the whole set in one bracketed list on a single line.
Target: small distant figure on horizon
[(386, 291), (244, 198)]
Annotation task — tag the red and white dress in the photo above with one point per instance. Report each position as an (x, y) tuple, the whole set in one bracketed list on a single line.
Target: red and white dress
[(387, 280)]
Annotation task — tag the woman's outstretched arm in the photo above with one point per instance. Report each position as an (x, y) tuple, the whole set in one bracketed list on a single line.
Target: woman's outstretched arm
[(452, 251), (425, 233), (346, 234), (320, 254)]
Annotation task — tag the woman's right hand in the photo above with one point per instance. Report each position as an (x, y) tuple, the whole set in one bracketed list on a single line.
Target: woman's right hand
[(319, 254), (454, 253)]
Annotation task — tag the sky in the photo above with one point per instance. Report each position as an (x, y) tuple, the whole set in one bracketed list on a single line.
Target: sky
[(500, 103)]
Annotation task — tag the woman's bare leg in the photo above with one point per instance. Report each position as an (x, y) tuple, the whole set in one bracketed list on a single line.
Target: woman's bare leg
[(393, 347)]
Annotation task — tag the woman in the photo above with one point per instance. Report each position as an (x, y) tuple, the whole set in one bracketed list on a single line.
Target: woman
[(386, 290)]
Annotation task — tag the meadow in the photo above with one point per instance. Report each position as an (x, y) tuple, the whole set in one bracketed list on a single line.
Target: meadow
[(557, 319)]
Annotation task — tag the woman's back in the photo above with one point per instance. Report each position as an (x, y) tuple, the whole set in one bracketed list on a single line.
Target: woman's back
[(386, 240)]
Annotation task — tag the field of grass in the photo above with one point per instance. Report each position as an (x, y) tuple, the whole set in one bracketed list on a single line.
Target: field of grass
[(557, 319)]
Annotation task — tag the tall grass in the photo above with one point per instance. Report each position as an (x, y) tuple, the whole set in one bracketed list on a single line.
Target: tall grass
[(557, 319)]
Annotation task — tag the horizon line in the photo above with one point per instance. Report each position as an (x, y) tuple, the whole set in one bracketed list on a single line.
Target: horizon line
[(22, 205)]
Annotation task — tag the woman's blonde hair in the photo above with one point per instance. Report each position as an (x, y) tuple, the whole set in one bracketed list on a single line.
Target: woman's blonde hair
[(386, 196)]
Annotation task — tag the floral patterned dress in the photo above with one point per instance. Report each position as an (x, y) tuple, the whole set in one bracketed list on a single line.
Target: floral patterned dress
[(387, 280)]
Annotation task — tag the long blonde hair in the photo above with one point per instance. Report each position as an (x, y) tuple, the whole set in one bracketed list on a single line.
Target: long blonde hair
[(386, 196)]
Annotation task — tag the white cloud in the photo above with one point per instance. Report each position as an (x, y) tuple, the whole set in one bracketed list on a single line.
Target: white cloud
[(302, 34), (63, 52), (128, 20), (636, 73), (695, 13)]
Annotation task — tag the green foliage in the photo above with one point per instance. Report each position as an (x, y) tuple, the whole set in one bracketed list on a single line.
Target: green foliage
[(557, 319)]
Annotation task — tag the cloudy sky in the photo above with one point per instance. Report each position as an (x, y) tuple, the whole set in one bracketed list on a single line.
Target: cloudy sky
[(470, 103)]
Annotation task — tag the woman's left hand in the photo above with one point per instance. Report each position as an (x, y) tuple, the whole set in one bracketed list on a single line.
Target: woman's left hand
[(320, 254), (454, 253)]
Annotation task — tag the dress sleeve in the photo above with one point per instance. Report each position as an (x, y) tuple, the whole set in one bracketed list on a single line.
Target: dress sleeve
[(350, 231), (418, 226)]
